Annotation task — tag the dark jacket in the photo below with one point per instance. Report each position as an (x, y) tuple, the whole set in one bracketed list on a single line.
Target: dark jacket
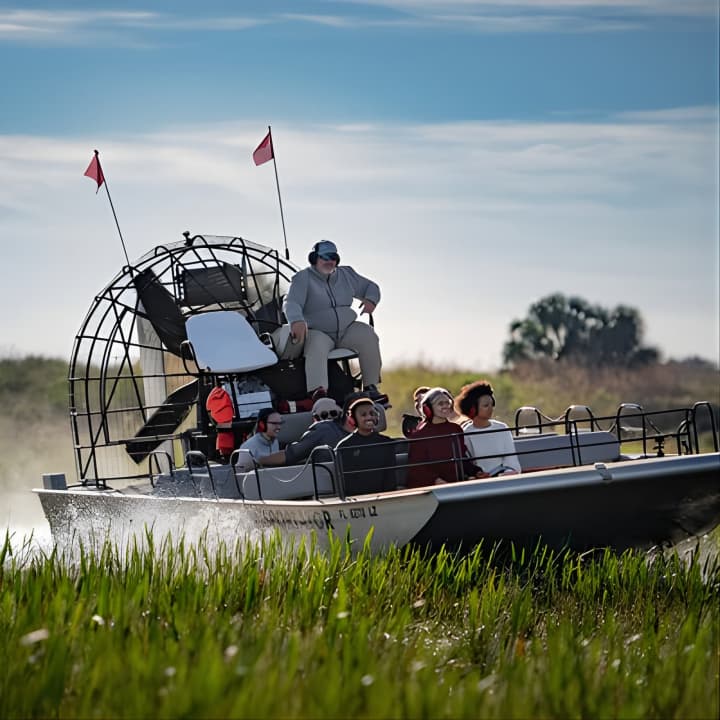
[(367, 462), (325, 432)]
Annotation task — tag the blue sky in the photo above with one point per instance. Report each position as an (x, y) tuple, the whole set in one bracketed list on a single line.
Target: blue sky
[(470, 156)]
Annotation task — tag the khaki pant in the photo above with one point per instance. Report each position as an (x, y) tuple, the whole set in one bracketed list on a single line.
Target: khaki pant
[(359, 337)]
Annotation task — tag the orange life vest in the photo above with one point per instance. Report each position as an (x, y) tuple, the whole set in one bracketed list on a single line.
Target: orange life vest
[(219, 405)]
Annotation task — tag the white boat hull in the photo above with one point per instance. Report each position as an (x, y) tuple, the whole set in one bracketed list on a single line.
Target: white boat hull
[(636, 503)]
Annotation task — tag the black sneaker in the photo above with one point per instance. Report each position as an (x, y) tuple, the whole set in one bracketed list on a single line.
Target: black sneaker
[(375, 395)]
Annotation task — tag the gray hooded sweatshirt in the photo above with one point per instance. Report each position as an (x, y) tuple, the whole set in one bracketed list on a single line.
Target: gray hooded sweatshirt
[(324, 301)]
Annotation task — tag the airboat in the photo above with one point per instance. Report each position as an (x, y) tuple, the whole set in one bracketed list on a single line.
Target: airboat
[(206, 311)]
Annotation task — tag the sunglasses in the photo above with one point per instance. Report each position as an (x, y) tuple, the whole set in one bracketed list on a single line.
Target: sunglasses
[(275, 422), (331, 256), (325, 414)]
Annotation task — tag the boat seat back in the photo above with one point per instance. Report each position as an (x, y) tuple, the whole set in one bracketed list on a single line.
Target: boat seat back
[(293, 482), (276, 483), (213, 285), (224, 342), (294, 425), (549, 451)]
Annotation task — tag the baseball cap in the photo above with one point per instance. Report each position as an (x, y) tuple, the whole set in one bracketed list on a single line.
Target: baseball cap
[(327, 249)]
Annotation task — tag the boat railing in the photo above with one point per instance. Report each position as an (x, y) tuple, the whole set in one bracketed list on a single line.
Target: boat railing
[(631, 423), (691, 424), (155, 456), (195, 458), (529, 419), (575, 415)]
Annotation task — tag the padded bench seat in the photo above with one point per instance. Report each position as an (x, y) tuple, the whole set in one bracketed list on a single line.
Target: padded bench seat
[(549, 451), (292, 482)]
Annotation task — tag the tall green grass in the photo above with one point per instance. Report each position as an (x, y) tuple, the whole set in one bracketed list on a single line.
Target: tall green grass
[(262, 630)]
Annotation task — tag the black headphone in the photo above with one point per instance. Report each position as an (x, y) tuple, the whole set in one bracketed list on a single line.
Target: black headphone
[(313, 256)]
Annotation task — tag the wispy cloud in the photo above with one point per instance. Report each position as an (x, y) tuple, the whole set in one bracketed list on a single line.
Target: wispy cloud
[(88, 27)]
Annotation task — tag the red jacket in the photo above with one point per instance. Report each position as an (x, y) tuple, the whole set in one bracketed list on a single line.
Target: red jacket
[(220, 407), (443, 447)]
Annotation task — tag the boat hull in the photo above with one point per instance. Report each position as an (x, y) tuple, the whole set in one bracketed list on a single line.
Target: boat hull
[(631, 504)]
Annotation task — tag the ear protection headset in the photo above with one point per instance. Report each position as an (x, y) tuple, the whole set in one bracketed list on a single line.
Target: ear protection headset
[(427, 401), (354, 406), (350, 401), (263, 415), (313, 256), (472, 412), (427, 410)]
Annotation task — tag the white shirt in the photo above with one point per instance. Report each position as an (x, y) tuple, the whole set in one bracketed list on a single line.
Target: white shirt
[(490, 447)]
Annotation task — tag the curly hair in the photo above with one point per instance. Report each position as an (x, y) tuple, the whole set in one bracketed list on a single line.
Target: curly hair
[(469, 395)]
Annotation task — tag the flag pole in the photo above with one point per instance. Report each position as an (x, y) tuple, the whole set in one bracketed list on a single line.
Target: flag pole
[(112, 207), (277, 183), (95, 172)]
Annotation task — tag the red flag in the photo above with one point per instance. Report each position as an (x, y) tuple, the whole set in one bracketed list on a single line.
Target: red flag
[(94, 171), (264, 151)]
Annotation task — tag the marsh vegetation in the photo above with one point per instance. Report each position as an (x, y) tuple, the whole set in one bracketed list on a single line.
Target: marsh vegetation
[(263, 630)]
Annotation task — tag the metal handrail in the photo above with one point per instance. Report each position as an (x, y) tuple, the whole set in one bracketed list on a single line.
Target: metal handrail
[(201, 456), (153, 456)]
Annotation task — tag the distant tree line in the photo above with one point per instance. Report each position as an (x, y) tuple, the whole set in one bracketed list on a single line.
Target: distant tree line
[(572, 329)]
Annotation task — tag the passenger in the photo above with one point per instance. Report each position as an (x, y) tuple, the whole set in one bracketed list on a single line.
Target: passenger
[(325, 409), (489, 441), (321, 432), (410, 423), (367, 458), (264, 441), (436, 452), (318, 307)]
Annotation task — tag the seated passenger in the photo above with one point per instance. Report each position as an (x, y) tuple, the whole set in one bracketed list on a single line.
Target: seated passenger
[(264, 441), (325, 409), (436, 452), (489, 441), (323, 432), (367, 458), (410, 423)]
